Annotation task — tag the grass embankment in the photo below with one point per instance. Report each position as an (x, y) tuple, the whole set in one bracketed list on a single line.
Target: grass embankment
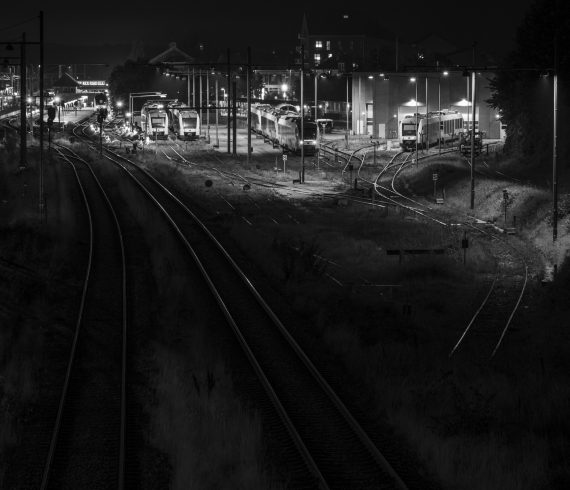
[(28, 305), (195, 416), (499, 425)]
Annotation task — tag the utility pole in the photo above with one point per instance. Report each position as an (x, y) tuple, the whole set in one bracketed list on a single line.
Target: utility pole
[(248, 117), (229, 94), (207, 107), (554, 133), (302, 179), (200, 101), (217, 144), (427, 111), (554, 169), (347, 110), (234, 116), (194, 89), (473, 140), (23, 133), (42, 196)]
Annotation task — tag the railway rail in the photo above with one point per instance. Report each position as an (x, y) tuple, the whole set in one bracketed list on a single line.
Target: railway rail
[(335, 450), (87, 448)]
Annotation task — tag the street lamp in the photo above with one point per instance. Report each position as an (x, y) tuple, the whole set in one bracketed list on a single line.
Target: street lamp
[(444, 73), (415, 81), (347, 111), (29, 99), (134, 95), (57, 100)]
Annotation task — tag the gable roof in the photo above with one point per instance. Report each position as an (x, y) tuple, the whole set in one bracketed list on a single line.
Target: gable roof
[(172, 55), (66, 80)]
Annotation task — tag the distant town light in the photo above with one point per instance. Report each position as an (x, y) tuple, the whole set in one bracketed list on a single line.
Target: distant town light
[(284, 87), (370, 77), (119, 103), (445, 73), (413, 79)]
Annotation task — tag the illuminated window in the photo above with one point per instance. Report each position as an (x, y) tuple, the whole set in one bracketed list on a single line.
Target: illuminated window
[(328, 45), (317, 58), (318, 44)]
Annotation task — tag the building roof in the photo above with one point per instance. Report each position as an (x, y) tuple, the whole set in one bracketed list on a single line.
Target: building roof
[(66, 80), (172, 55)]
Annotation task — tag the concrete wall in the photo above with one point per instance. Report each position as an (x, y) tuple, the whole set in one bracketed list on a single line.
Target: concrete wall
[(393, 96)]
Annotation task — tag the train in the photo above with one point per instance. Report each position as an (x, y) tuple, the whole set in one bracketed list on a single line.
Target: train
[(439, 125), (155, 120), (185, 122), (281, 124)]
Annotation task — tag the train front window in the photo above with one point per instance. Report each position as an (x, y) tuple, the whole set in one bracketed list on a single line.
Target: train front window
[(310, 133), (189, 122), (157, 122), (408, 129)]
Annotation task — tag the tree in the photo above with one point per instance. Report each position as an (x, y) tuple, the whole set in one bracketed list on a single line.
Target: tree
[(522, 90), (133, 76)]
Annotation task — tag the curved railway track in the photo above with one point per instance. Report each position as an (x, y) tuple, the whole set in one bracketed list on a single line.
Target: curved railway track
[(504, 292), (87, 448), (335, 450)]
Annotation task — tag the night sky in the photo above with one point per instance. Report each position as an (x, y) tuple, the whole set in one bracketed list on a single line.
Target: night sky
[(491, 23)]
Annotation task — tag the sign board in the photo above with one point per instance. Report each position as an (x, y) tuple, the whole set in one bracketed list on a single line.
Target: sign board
[(284, 158), (435, 176)]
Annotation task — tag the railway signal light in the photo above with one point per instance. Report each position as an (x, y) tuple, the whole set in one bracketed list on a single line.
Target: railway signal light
[(51, 113)]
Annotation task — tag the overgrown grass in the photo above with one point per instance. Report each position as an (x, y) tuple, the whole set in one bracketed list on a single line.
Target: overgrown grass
[(479, 427), (211, 438), (213, 441)]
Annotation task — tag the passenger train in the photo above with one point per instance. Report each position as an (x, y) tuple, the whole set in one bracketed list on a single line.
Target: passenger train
[(154, 120), (282, 125), (438, 125), (185, 122)]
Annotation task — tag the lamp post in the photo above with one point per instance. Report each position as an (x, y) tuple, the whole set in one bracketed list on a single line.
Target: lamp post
[(445, 73), (316, 113), (347, 109), (134, 95), (427, 124), (415, 80), (217, 144), (473, 140), (29, 100), (57, 101)]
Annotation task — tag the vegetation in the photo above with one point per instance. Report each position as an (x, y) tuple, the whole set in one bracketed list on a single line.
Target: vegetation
[(522, 90)]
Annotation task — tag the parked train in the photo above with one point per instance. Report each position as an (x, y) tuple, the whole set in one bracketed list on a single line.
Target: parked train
[(282, 125), (185, 122), (440, 125), (155, 120)]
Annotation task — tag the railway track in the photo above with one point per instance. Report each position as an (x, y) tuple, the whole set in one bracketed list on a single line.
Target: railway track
[(332, 450), (88, 439), (502, 297), (503, 293)]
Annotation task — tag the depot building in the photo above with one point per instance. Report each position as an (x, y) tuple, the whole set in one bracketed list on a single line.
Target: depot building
[(381, 100)]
